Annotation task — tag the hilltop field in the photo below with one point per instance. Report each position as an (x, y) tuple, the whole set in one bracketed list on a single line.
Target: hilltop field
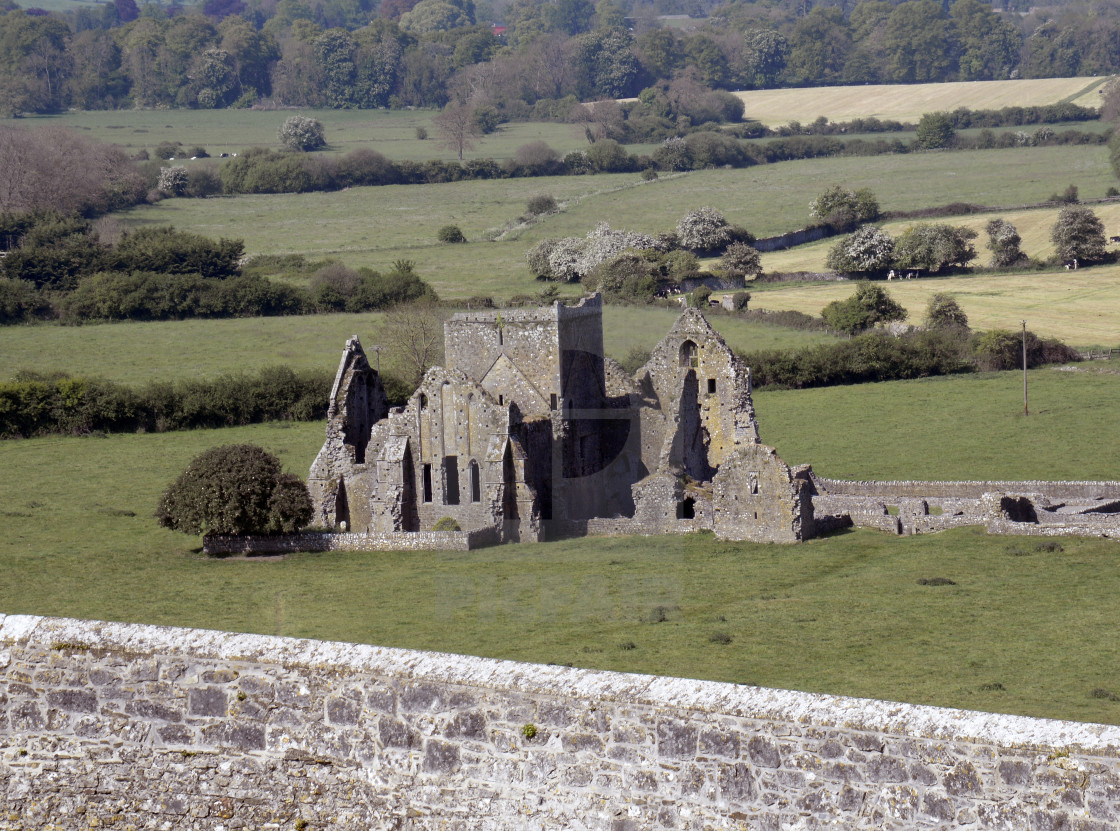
[(909, 103), (1022, 630)]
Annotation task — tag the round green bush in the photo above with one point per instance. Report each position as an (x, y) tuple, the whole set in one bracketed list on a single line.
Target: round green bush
[(446, 523), (235, 489), (542, 203), (451, 233)]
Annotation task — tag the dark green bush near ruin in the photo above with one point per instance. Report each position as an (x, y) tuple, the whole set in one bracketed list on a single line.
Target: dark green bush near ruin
[(235, 489)]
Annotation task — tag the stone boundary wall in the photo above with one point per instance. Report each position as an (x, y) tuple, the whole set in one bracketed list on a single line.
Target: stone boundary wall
[(1077, 526), (326, 541), (108, 724), (789, 240), (966, 490)]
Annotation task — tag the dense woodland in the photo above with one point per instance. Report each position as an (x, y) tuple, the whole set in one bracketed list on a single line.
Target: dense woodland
[(524, 58)]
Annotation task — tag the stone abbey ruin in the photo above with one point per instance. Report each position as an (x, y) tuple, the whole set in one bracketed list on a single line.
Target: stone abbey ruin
[(530, 433)]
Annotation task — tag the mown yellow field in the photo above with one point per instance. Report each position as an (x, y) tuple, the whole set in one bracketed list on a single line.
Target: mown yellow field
[(1080, 307), (908, 102), (1033, 226)]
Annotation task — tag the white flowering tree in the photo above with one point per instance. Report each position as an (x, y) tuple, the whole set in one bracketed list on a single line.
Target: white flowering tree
[(570, 258), (173, 180), (302, 133), (864, 251), (704, 229)]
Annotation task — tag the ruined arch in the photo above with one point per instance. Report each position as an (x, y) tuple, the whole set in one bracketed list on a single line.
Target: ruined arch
[(689, 354)]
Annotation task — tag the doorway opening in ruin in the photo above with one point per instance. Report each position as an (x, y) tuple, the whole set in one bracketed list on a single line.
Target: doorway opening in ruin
[(509, 496), (476, 483), (689, 354), (342, 506), (451, 480), (686, 509), (410, 516)]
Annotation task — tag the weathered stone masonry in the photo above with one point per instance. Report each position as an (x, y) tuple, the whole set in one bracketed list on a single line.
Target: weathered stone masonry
[(118, 725)]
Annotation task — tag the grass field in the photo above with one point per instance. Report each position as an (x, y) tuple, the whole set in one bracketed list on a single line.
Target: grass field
[(908, 103), (375, 226), (391, 132), (843, 615), (953, 428), (135, 353)]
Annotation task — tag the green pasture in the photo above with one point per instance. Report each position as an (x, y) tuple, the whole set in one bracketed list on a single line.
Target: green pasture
[(1021, 631), (374, 226), (136, 353), (955, 427), (391, 132)]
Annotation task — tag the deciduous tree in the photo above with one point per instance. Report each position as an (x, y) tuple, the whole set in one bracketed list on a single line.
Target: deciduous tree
[(1078, 235)]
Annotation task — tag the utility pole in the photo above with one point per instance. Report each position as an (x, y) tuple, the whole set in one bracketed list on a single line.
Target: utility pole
[(1025, 410)]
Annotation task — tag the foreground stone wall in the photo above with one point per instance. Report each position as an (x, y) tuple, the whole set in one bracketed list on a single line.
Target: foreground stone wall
[(325, 541), (121, 725)]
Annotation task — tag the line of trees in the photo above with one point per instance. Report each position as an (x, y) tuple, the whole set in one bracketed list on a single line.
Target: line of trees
[(59, 268), (426, 53)]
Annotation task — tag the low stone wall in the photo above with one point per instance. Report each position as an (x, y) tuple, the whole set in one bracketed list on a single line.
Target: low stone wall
[(120, 725), (1077, 526), (324, 541), (793, 238), (889, 491)]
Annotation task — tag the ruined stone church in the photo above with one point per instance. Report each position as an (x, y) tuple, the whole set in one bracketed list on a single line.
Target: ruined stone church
[(530, 432)]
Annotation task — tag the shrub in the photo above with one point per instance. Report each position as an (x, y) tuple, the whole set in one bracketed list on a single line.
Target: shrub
[(740, 300), (869, 305), (943, 312), (649, 175), (1003, 242), (867, 250), (844, 209), (542, 203), (704, 229), (446, 523), (741, 259), (931, 247), (235, 489), (635, 359), (451, 233), (608, 156), (302, 133), (173, 180), (935, 131), (422, 133)]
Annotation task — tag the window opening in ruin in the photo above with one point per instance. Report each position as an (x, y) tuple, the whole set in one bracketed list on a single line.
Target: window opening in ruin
[(711, 386), (552, 402), (501, 400), (451, 480), (687, 509), (423, 401), (754, 481), (476, 483), (342, 507), (427, 483), (689, 355)]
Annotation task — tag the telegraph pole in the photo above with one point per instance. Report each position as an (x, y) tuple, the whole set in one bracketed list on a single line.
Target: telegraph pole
[(1025, 410)]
